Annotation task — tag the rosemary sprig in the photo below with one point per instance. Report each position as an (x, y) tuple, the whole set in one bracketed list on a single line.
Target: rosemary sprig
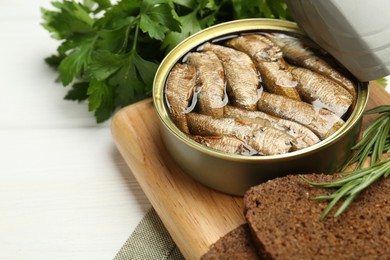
[(374, 142), (351, 185), (375, 139)]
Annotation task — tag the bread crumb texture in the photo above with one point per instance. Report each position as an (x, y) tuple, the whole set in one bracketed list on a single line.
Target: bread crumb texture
[(285, 221), (235, 245)]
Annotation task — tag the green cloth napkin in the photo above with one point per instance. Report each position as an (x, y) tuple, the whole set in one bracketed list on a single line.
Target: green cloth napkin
[(150, 240)]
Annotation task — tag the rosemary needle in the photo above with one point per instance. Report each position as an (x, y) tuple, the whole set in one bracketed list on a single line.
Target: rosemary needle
[(374, 142)]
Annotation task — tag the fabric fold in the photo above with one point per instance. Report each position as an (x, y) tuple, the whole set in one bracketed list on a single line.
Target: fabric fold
[(149, 240)]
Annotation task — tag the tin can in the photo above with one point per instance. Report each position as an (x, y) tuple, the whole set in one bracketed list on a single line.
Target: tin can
[(235, 174)]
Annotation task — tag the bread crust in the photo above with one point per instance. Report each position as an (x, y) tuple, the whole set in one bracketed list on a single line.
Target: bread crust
[(285, 221), (235, 245)]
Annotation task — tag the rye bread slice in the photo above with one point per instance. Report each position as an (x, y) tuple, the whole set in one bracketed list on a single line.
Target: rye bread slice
[(284, 221), (235, 245)]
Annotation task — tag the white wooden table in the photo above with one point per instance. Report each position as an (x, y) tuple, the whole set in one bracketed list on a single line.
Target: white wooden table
[(65, 191)]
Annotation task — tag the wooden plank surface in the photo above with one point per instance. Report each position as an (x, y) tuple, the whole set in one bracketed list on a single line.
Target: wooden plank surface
[(194, 215)]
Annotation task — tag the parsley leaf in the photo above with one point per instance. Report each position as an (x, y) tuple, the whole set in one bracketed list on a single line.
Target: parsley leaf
[(156, 17), (190, 25), (187, 3), (78, 91), (72, 18), (100, 99), (77, 61), (137, 73), (104, 64)]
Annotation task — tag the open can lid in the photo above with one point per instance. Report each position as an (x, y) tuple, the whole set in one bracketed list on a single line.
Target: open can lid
[(356, 33)]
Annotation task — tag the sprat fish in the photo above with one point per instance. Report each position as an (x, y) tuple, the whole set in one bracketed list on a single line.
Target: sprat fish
[(227, 144), (302, 136), (269, 61), (321, 121), (299, 52), (211, 79), (321, 91), (241, 75), (265, 140), (179, 91)]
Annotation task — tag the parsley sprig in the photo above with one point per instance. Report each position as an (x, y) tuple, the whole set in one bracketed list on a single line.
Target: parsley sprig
[(374, 142), (109, 53)]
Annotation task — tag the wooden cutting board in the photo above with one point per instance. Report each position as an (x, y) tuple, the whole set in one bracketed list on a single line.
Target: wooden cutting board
[(194, 215)]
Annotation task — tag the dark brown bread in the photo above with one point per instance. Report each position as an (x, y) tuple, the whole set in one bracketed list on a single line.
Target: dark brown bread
[(235, 245), (284, 221)]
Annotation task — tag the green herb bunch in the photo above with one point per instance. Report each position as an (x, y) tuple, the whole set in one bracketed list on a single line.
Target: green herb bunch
[(375, 142), (109, 53)]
